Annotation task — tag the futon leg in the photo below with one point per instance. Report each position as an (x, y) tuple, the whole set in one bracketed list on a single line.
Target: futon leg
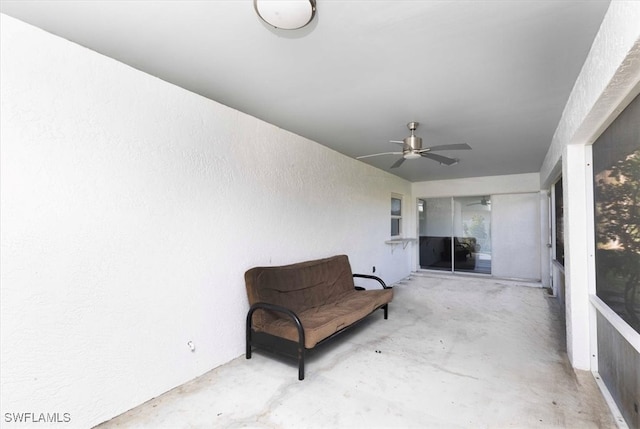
[(248, 342), (300, 364), (386, 311)]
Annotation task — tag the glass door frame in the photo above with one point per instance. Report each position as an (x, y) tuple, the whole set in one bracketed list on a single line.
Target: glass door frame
[(469, 242)]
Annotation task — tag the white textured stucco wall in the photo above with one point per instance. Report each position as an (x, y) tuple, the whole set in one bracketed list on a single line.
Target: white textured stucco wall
[(130, 209), (608, 81), (605, 85)]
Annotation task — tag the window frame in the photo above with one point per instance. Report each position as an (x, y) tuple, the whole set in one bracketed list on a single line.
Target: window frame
[(558, 221), (396, 216)]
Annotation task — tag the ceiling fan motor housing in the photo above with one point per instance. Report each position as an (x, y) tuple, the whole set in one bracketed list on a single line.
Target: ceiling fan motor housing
[(412, 144)]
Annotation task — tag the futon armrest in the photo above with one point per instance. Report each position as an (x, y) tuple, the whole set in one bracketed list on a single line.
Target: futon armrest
[(280, 309), (368, 276)]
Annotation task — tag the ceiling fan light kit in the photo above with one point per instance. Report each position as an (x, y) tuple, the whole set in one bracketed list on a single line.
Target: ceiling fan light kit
[(286, 14), (412, 149)]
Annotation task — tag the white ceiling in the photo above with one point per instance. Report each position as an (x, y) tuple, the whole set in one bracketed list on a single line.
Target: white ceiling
[(493, 74)]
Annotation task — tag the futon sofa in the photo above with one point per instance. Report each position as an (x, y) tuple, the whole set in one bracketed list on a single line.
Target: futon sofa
[(296, 307)]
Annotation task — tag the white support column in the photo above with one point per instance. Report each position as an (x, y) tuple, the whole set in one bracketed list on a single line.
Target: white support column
[(576, 255), (591, 266)]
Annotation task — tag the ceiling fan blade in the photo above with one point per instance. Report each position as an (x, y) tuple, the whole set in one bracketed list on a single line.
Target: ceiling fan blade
[(398, 163), (457, 146), (378, 154), (396, 141), (441, 159)]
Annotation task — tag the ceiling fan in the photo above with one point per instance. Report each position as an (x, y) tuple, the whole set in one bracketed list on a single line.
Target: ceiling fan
[(484, 201), (412, 149)]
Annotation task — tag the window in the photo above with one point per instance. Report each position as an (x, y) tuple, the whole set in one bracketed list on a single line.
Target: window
[(559, 222), (396, 215), (616, 193)]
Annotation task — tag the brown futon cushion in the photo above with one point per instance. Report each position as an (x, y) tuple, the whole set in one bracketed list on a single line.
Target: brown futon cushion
[(320, 292), (323, 321)]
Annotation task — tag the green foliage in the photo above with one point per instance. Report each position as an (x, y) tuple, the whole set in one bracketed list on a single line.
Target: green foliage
[(617, 197), (478, 228)]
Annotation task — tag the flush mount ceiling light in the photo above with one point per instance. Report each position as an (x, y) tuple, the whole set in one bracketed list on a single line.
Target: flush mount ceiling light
[(286, 14)]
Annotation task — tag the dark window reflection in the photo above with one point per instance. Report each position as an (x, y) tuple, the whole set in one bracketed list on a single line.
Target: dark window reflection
[(559, 209), (616, 170)]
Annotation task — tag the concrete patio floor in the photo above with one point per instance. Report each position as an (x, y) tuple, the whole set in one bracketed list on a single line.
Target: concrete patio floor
[(456, 352)]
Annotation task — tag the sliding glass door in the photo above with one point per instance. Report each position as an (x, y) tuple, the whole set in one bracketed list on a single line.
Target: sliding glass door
[(472, 233), (435, 230), (455, 234)]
